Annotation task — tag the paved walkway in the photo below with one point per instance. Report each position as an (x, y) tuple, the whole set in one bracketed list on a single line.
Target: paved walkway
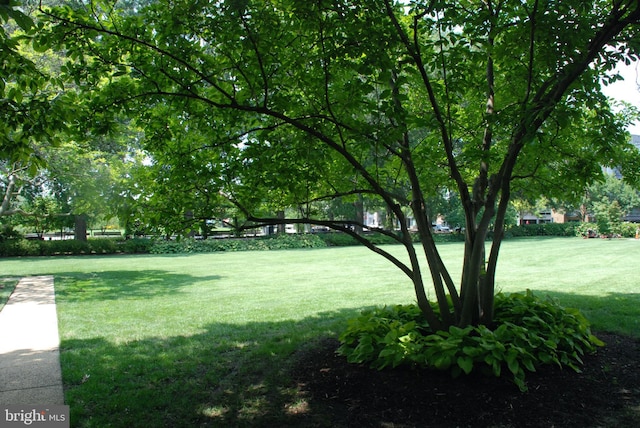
[(29, 345)]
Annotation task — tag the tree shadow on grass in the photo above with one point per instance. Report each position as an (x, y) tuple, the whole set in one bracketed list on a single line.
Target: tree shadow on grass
[(122, 284), (230, 375), (243, 376), (613, 312)]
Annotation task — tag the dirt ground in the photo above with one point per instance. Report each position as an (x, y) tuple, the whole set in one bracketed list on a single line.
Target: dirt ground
[(605, 394)]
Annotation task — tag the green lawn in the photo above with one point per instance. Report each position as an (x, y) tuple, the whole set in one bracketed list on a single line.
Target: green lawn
[(7, 285), (206, 340)]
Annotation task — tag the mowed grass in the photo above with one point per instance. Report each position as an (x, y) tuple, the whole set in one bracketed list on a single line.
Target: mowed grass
[(209, 339), (7, 286)]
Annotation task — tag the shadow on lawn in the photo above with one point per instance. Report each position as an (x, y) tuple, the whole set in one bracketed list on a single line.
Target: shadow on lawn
[(614, 312), (122, 284), (229, 375)]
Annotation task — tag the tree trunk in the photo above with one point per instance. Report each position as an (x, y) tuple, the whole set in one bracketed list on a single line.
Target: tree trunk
[(359, 209), (282, 226), (80, 227)]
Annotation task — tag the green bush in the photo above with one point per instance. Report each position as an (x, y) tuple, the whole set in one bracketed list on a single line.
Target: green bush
[(583, 229), (544, 229), (7, 232), (337, 239), (530, 332), (277, 242), (19, 247), (136, 246), (103, 245), (23, 247), (624, 230), (67, 246)]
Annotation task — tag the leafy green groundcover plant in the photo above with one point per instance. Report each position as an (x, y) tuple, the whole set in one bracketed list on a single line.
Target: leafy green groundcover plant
[(530, 332)]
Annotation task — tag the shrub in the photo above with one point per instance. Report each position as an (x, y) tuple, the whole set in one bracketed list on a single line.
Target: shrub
[(530, 332), (277, 242), (67, 246), (544, 229), (583, 229), (103, 246), (337, 239), (19, 247), (7, 232), (626, 229), (136, 246)]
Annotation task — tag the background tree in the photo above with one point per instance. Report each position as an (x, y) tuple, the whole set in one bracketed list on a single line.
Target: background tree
[(302, 102), (34, 107), (609, 201)]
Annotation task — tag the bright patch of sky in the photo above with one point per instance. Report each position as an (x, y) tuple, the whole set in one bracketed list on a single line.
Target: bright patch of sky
[(627, 90)]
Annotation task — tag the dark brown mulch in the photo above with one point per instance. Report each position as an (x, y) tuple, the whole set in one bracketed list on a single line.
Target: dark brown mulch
[(605, 394)]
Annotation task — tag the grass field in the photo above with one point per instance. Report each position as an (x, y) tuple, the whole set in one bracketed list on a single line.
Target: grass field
[(6, 288), (206, 339)]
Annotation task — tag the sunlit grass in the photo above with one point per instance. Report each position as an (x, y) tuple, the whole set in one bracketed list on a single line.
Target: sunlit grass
[(208, 339)]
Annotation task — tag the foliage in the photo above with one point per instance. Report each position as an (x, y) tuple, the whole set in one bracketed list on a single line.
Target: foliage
[(44, 215), (529, 333), (612, 190), (343, 240), (24, 247), (622, 229), (619, 229), (271, 105), (544, 229), (7, 231), (609, 200), (278, 242), (39, 247), (90, 181), (19, 247), (136, 246), (36, 110), (627, 229)]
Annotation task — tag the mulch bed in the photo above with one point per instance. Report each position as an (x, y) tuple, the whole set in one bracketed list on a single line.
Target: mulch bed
[(605, 394)]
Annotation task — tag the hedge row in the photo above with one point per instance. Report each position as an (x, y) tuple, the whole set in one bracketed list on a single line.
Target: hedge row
[(544, 229), (625, 229), (277, 242), (24, 247)]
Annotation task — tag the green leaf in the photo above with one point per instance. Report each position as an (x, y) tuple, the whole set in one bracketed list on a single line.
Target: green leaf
[(514, 365), (528, 363), (442, 362), (594, 340), (466, 364), (24, 21)]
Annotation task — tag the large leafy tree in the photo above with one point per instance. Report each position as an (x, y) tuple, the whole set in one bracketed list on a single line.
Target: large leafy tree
[(35, 110), (296, 103)]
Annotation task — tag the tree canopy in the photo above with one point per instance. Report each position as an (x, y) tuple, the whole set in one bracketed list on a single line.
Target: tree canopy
[(273, 104), (35, 107)]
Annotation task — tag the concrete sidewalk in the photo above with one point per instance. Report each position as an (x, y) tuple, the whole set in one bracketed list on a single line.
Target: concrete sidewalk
[(29, 345)]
